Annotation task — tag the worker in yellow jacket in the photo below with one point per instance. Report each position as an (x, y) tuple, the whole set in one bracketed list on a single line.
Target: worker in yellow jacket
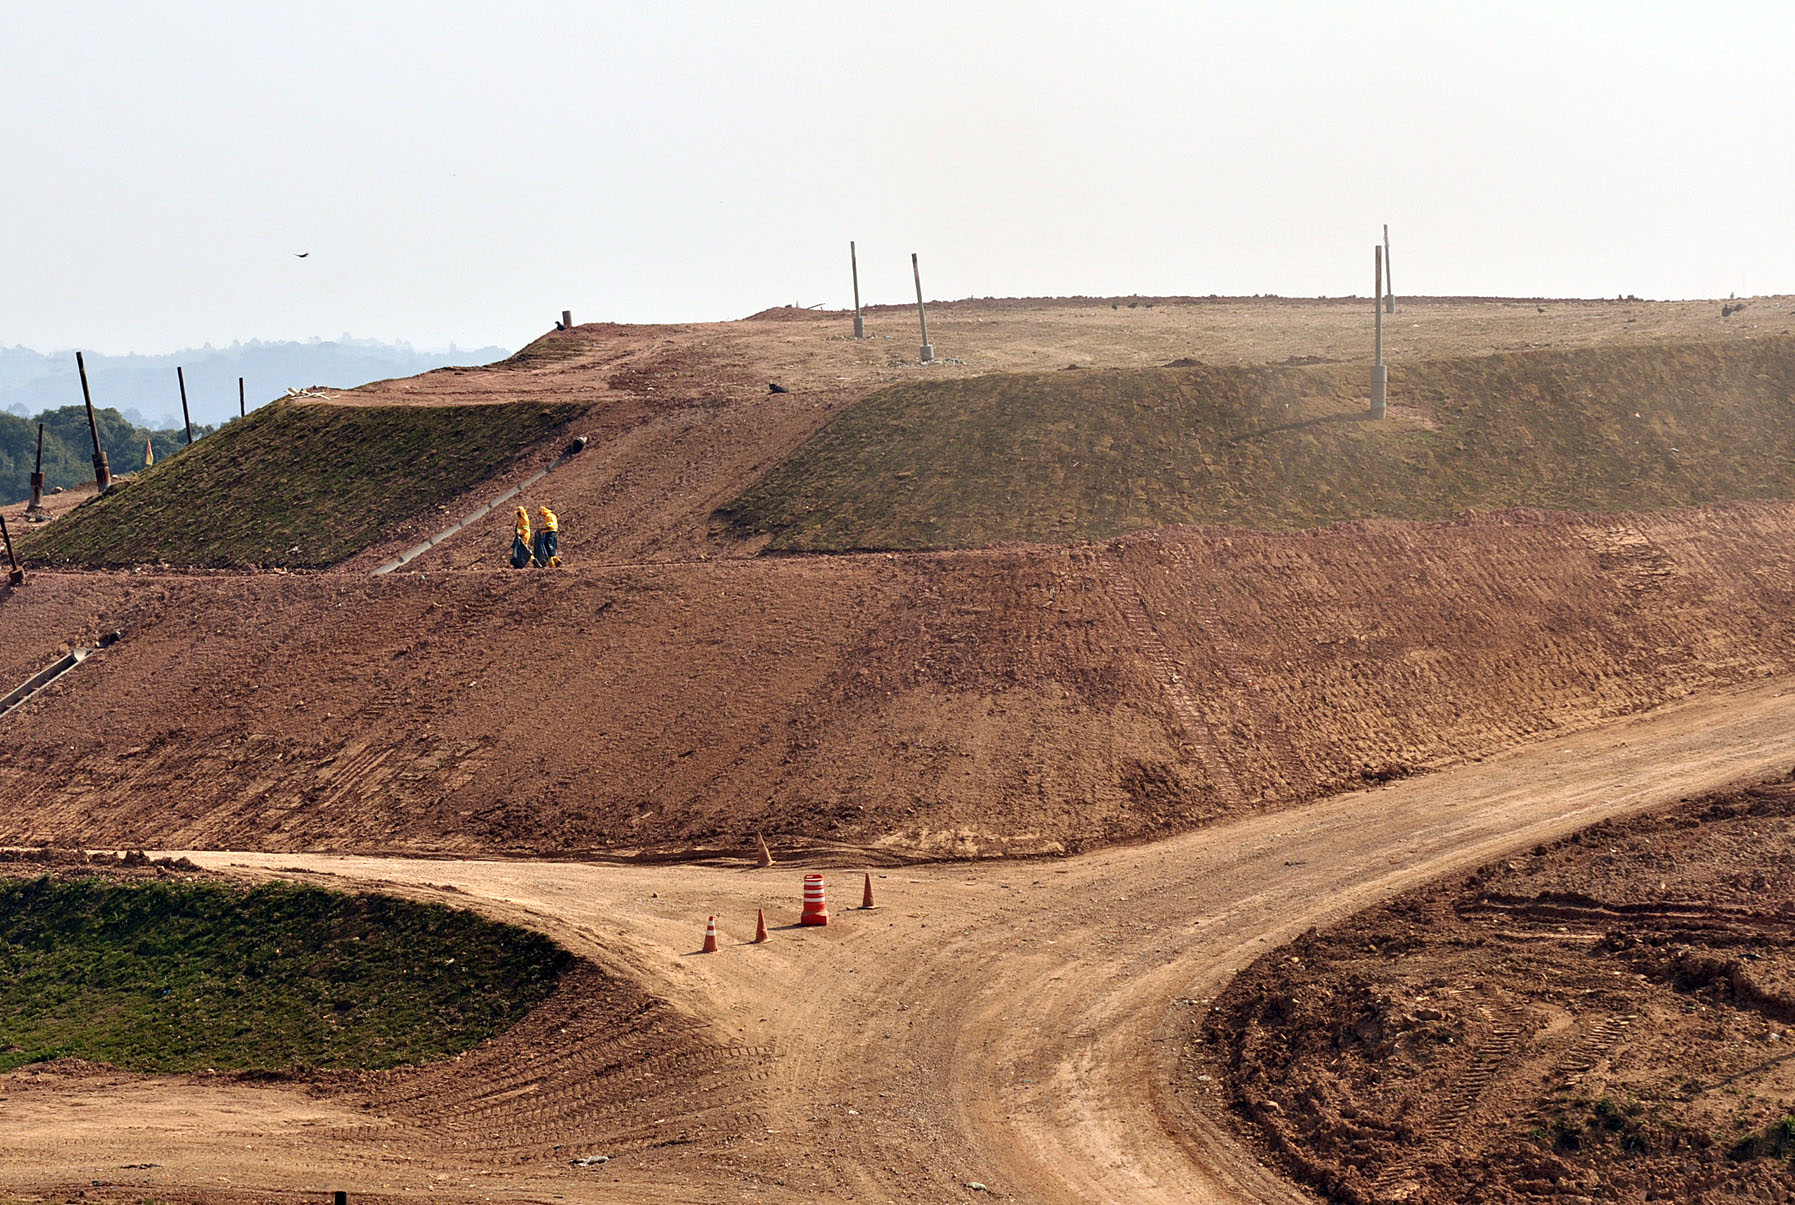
[(548, 539), (520, 541)]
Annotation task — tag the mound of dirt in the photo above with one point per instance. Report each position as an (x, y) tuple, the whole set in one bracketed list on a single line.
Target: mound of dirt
[(1020, 700), (1606, 1018)]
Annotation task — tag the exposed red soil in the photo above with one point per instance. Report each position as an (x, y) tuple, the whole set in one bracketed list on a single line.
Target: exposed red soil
[(1608, 1016), (1003, 701), (1010, 1024), (1013, 1024)]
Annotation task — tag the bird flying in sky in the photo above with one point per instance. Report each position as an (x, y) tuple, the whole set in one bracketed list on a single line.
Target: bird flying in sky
[(300, 254)]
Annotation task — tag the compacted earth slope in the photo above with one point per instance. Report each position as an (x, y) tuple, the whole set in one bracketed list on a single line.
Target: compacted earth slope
[(667, 692), (1069, 456), (972, 703)]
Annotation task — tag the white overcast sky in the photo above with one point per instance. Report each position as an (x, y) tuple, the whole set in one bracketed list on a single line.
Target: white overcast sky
[(465, 172)]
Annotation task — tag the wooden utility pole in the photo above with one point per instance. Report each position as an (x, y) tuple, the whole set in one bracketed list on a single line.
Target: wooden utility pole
[(928, 349), (102, 472), (185, 417), (242, 409), (854, 264), (1389, 280), (37, 476)]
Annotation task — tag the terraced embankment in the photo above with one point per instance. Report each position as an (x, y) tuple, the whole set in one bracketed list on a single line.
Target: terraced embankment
[(1067, 456), (1023, 700), (295, 485)]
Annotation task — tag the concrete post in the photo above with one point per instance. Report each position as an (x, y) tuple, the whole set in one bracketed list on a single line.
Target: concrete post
[(567, 319), (928, 349), (1379, 375), (102, 472), (1389, 276), (185, 416), (854, 263), (37, 476)]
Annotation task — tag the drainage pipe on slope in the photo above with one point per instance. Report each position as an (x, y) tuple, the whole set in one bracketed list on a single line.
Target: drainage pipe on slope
[(54, 671), (480, 512)]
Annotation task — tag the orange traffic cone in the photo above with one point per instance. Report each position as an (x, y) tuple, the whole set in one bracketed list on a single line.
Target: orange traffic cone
[(710, 937), (866, 896), (815, 911), (760, 926), (765, 855)]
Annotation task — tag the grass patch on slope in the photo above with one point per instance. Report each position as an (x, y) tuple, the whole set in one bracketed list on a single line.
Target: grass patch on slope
[(1086, 455), (179, 976), (327, 481)]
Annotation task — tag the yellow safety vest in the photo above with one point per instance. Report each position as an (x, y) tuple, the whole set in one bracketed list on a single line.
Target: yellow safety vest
[(549, 522), (523, 524)]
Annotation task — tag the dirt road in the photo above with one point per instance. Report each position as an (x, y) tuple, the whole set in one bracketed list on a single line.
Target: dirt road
[(1013, 1025)]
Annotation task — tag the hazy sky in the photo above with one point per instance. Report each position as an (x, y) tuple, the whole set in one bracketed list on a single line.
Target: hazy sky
[(465, 172)]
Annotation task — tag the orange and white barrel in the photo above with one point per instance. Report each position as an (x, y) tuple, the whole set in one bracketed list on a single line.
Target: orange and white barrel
[(815, 912)]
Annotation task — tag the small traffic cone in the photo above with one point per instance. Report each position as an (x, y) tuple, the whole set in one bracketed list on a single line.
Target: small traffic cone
[(866, 896), (760, 926), (765, 857), (710, 937)]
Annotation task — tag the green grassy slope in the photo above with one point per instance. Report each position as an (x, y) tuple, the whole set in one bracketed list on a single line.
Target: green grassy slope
[(325, 481), (1086, 455), (177, 976)]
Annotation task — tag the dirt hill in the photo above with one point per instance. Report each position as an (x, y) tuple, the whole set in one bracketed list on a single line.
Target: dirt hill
[(1072, 456), (670, 693), (1021, 700), (665, 694)]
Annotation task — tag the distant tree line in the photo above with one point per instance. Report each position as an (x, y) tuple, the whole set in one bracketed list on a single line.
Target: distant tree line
[(68, 447)]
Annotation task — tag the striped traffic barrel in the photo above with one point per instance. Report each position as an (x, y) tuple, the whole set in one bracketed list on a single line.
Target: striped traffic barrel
[(815, 913)]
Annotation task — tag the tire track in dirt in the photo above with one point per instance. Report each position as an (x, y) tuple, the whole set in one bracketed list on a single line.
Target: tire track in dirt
[(1016, 1025), (1198, 731)]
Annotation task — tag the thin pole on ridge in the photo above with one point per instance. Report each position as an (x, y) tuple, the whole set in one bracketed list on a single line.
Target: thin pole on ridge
[(102, 472), (185, 416), (37, 476), (1380, 377), (1389, 275), (854, 263), (928, 349), (16, 576)]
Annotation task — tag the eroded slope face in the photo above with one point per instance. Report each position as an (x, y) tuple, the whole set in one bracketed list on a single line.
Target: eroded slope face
[(1024, 700), (1610, 1010)]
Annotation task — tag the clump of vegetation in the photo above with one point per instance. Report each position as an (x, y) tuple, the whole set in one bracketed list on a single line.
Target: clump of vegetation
[(295, 485), (1587, 1123), (176, 976), (1774, 1141), (1073, 456)]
